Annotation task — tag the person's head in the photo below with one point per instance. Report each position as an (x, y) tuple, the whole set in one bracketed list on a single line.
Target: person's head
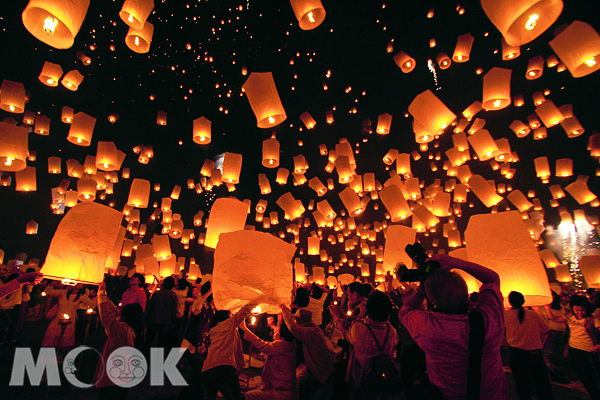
[(136, 280), (357, 292), (285, 334), (580, 306), (516, 299), (168, 283), (195, 291), (556, 300), (316, 291), (220, 316), (182, 284), (302, 297), (379, 306), (303, 317), (133, 315), (447, 291)]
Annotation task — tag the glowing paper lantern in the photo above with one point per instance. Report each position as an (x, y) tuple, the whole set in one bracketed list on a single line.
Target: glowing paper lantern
[(396, 239), (31, 228), (135, 12), (309, 13), (390, 157), (564, 167), (265, 185), (263, 97), (270, 153), (472, 110), (430, 112), (484, 191), (484, 145), (232, 166), (549, 258), (55, 22), (72, 80), (226, 215), (139, 40), (282, 176), (325, 208), (462, 51), (549, 113), (316, 185), (521, 21), (502, 243), (572, 127), (252, 267), (535, 68), (26, 180), (81, 130), (42, 125), (87, 240), (50, 74), (578, 47), (67, 115), (496, 89), (13, 147), (84, 59), (13, 96), (405, 62), (139, 193), (563, 274), (86, 189), (352, 202), (580, 192), (308, 120), (519, 200), (384, 121), (443, 61), (590, 268), (510, 52), (201, 131), (314, 246), (54, 165), (106, 156), (292, 207)]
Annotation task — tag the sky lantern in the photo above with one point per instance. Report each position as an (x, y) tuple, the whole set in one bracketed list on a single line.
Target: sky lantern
[(167, 267), (42, 125), (87, 240), (384, 122), (510, 52), (106, 156), (405, 62), (580, 192), (562, 273), (431, 112), (282, 176), (28, 117), (426, 216), (86, 189), (161, 118), (232, 167), (263, 97), (344, 169), (484, 191), (26, 180), (202, 131), (207, 167), (519, 200), (522, 21), (54, 165), (578, 47), (308, 120), (139, 193), (293, 208), (462, 51), (396, 239), (13, 147), (139, 40), (84, 59), (252, 267), (162, 247), (316, 185), (226, 215), (50, 74), (81, 130), (31, 228), (443, 61), (67, 115), (390, 157), (542, 167), (352, 202), (564, 167), (55, 22), (520, 128), (72, 80), (13, 96), (300, 164), (309, 13), (472, 110), (590, 268), (484, 145), (502, 243), (325, 208), (270, 153), (535, 68), (135, 12), (572, 127), (549, 258), (496, 89), (314, 246), (265, 185), (549, 113)]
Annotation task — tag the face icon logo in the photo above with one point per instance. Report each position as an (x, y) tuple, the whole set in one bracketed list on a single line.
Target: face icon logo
[(69, 366), (126, 367)]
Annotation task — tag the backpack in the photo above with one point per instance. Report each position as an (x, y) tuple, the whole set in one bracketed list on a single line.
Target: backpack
[(380, 375)]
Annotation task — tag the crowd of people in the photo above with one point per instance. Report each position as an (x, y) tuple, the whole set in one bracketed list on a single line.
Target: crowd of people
[(424, 340)]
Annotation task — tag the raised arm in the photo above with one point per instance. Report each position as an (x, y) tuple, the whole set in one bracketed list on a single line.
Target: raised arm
[(485, 275)]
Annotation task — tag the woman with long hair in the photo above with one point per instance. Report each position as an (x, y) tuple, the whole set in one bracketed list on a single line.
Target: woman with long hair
[(584, 344), (526, 331), (124, 328)]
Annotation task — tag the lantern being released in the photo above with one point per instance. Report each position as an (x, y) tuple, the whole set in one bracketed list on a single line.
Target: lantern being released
[(226, 215), (55, 22), (578, 46), (252, 267), (87, 240), (263, 97), (396, 239), (502, 243)]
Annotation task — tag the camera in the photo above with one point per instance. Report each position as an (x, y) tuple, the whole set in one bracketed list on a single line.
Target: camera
[(417, 253)]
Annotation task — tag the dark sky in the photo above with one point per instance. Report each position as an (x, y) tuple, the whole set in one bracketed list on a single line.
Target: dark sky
[(194, 69)]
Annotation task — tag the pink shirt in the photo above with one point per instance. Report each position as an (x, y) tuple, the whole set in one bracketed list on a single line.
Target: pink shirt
[(445, 340), (136, 295)]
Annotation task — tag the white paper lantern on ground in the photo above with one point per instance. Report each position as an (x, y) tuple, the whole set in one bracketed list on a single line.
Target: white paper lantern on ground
[(252, 267), (87, 240), (502, 243)]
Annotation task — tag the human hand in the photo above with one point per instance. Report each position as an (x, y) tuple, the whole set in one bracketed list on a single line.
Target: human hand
[(243, 325), (445, 261), (285, 309), (336, 312), (596, 349), (31, 277), (102, 286)]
